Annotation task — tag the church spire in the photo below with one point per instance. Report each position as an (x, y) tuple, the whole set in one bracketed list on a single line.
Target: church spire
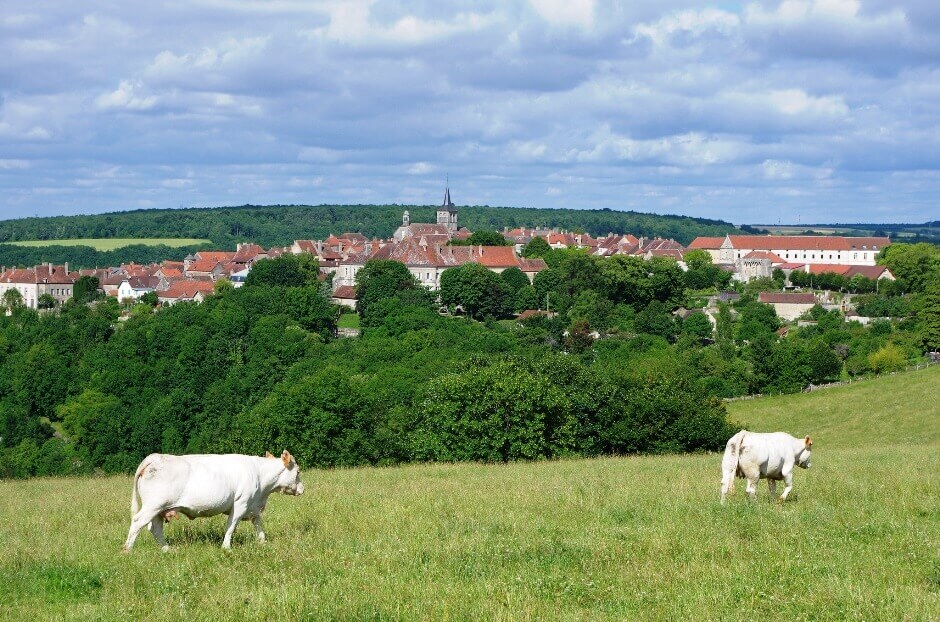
[(447, 201)]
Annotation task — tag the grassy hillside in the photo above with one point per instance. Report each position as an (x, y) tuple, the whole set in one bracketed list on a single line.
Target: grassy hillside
[(280, 225), (640, 538), (886, 410), (109, 244)]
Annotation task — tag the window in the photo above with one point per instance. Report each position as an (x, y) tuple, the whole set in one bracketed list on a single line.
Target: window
[(854, 255), (865, 256)]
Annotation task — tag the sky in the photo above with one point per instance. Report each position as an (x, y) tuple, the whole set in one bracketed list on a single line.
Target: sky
[(800, 111)]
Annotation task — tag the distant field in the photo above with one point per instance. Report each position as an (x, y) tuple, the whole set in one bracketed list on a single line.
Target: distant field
[(109, 244), (640, 538)]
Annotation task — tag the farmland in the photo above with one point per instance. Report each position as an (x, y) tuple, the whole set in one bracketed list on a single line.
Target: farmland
[(109, 244), (614, 538)]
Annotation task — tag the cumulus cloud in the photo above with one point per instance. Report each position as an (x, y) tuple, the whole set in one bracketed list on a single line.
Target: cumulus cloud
[(716, 109)]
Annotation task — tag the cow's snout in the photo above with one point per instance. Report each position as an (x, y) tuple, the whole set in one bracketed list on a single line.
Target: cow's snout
[(300, 488)]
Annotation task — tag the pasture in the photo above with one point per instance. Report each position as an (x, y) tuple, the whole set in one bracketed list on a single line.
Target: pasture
[(110, 244), (637, 538)]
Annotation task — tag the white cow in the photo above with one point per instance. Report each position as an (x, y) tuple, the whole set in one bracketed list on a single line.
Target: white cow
[(166, 486), (756, 456)]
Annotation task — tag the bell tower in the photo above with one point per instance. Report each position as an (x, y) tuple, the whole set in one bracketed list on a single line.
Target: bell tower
[(447, 212)]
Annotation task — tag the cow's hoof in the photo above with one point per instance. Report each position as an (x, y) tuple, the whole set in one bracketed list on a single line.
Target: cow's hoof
[(165, 548), (125, 550)]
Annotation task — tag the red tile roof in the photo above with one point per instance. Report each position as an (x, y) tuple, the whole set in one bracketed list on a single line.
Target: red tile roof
[(820, 268), (219, 256), (706, 243), (808, 242), (773, 257), (496, 256), (345, 292), (187, 290), (39, 274)]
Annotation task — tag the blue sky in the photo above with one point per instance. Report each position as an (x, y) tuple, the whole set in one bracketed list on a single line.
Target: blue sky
[(755, 112)]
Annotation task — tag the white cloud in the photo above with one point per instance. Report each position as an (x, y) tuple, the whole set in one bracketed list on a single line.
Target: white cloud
[(692, 22), (125, 97), (421, 168), (578, 13)]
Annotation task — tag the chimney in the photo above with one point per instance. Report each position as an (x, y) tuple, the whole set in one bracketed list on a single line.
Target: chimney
[(66, 268)]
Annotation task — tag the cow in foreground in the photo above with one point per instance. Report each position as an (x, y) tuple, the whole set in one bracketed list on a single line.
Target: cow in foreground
[(756, 456), (166, 486)]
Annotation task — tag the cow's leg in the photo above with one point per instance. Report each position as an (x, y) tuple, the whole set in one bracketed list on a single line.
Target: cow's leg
[(772, 484), (238, 512), (752, 488), (259, 531), (156, 528), (788, 480), (727, 484), (138, 522)]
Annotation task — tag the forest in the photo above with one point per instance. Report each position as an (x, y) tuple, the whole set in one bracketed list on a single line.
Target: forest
[(94, 386), (280, 225)]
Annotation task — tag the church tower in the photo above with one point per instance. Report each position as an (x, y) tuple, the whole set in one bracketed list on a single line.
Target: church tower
[(447, 212)]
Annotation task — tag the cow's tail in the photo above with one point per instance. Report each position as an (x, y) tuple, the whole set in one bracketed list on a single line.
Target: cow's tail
[(729, 463), (135, 494)]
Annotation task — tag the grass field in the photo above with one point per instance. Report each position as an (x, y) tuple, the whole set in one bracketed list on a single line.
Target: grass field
[(109, 244), (639, 538), (348, 320)]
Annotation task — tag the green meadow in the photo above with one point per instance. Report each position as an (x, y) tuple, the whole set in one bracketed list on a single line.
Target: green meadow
[(635, 538), (109, 244)]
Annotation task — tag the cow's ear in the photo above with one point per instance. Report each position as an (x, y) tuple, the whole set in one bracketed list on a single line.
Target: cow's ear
[(809, 442), (268, 454), (286, 458)]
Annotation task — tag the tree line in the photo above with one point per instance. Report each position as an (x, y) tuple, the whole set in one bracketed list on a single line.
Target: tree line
[(280, 225)]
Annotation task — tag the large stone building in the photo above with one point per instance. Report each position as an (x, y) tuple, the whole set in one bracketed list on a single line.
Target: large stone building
[(32, 283), (806, 249)]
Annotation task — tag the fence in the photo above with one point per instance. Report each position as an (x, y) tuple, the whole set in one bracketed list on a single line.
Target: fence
[(815, 387)]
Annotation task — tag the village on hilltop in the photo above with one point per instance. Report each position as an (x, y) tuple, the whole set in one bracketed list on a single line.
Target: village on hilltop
[(427, 250)]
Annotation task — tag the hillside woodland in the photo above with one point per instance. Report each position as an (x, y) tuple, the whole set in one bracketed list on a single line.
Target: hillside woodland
[(91, 386), (280, 225)]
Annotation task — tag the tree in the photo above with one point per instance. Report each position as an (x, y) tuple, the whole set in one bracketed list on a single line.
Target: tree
[(537, 247), (579, 338), (480, 291), (150, 298), (484, 238), (889, 358), (916, 264), (222, 286), (592, 307), (697, 259), (47, 301), (12, 299), (525, 298), (284, 271), (85, 289), (514, 278), (494, 412), (929, 316), (697, 325), (380, 279), (656, 319)]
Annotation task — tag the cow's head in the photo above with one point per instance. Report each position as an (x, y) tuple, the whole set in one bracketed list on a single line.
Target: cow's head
[(802, 459), (288, 481)]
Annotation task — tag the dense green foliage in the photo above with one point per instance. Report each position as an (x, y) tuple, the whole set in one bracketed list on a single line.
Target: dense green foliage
[(612, 370), (80, 257), (280, 225)]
